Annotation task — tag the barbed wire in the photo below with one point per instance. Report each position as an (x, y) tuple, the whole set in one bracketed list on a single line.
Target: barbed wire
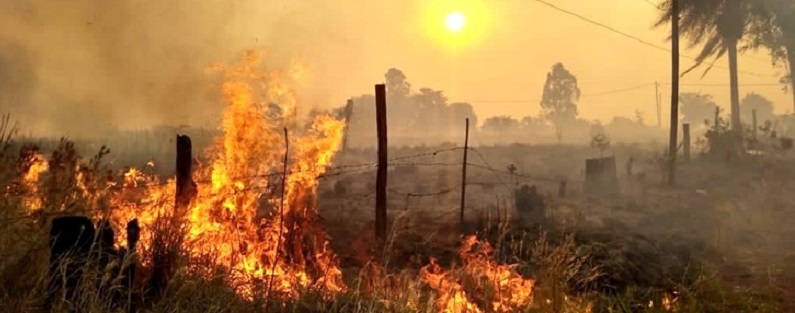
[(333, 171)]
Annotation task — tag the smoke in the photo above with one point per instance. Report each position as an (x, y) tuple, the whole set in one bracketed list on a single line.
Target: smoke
[(85, 67)]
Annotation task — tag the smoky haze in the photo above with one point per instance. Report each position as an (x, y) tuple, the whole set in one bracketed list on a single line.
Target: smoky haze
[(81, 68)]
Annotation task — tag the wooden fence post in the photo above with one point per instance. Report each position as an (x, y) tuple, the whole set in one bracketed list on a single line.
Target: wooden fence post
[(167, 243), (686, 142), (381, 176), (464, 173), (754, 126)]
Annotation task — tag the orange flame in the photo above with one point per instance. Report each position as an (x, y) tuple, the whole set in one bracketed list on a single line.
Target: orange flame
[(225, 222), (509, 289), (32, 200)]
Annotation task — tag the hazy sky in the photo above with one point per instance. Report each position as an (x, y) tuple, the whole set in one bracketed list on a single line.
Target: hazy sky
[(135, 62)]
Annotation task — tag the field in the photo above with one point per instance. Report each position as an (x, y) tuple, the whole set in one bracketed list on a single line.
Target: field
[(275, 215), (717, 242)]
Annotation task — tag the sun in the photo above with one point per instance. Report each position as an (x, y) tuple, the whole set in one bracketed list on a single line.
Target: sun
[(455, 21)]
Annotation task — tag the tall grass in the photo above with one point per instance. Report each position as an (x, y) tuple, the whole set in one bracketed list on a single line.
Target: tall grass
[(570, 273)]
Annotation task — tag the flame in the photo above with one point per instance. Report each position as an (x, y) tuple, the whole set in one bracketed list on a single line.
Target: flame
[(511, 291), (451, 295), (224, 223), (33, 199)]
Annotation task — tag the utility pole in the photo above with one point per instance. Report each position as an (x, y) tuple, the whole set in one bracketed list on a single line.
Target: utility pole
[(674, 92)]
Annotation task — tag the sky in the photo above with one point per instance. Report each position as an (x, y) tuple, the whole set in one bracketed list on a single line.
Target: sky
[(136, 63)]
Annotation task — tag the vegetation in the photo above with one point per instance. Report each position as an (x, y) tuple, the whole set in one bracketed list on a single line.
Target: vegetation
[(574, 269), (558, 101)]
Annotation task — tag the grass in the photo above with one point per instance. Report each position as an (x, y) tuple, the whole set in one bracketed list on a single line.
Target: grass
[(581, 268)]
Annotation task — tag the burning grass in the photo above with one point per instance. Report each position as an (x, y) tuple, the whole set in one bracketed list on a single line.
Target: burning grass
[(252, 239)]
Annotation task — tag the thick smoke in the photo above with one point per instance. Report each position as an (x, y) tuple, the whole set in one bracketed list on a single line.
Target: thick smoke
[(86, 67)]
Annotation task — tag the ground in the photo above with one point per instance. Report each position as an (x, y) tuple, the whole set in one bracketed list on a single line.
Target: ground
[(721, 231)]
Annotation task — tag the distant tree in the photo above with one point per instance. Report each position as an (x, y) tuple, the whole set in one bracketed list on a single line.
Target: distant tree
[(763, 107), (460, 111), (697, 108), (558, 102), (427, 109), (500, 124), (396, 84), (623, 122)]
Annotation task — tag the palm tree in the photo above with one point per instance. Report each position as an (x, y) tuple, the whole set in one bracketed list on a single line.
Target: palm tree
[(718, 26), (773, 28)]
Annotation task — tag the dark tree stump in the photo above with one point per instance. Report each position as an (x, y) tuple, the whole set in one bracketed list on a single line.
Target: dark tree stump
[(70, 246), (600, 177)]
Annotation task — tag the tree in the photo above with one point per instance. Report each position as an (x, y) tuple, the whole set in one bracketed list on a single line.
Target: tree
[(773, 27), (460, 111), (558, 102), (500, 124), (718, 25), (396, 84), (763, 107), (697, 107)]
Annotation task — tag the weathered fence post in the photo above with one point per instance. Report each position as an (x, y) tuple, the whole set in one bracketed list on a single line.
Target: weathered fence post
[(562, 189), (686, 141), (381, 176), (167, 238), (753, 125), (464, 173), (186, 188)]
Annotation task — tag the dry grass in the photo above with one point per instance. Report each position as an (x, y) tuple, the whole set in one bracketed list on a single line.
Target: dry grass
[(595, 264)]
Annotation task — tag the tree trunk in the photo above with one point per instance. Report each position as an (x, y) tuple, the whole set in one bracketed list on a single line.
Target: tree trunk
[(734, 86), (674, 93)]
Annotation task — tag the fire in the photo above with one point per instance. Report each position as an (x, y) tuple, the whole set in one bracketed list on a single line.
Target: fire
[(451, 295), (509, 289), (260, 250), (30, 180)]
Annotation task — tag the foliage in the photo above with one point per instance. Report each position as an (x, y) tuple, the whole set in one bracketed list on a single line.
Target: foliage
[(559, 98), (500, 124), (755, 102), (715, 24), (773, 28), (697, 108)]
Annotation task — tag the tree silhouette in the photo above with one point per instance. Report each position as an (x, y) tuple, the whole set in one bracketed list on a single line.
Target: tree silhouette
[(461, 111), (500, 124), (717, 26), (763, 107), (773, 27), (558, 102), (697, 108), (396, 84)]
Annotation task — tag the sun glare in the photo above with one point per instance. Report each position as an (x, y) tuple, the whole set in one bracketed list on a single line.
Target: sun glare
[(455, 21)]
